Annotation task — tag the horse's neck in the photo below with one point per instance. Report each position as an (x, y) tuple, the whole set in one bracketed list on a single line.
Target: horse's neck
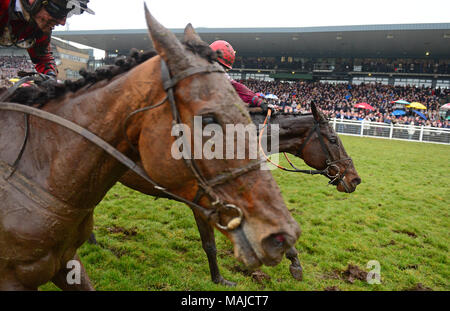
[(67, 165), (292, 131)]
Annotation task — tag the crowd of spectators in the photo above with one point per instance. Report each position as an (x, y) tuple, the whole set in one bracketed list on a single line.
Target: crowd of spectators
[(426, 66), (338, 101), (11, 65), (334, 100)]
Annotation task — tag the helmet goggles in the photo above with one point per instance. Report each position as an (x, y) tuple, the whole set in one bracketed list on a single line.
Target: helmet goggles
[(56, 11)]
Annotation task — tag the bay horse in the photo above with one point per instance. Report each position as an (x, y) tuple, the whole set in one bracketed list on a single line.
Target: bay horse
[(48, 196), (299, 135)]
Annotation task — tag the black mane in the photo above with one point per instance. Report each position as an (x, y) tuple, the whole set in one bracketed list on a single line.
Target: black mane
[(203, 50), (41, 92)]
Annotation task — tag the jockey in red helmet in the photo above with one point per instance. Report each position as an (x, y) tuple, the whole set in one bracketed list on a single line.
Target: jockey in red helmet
[(29, 23), (226, 58)]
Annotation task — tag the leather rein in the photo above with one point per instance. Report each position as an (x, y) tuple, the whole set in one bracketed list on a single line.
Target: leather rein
[(334, 179)]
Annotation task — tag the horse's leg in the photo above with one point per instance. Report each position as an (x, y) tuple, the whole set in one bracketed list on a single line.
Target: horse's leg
[(92, 239), (295, 268), (60, 279), (209, 246)]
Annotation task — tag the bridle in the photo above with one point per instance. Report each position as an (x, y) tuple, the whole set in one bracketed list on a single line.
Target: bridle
[(205, 186), (334, 179)]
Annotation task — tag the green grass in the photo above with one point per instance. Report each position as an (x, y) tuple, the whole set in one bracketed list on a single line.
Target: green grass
[(398, 216)]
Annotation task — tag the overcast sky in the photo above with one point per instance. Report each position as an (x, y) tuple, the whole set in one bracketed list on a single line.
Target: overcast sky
[(129, 14)]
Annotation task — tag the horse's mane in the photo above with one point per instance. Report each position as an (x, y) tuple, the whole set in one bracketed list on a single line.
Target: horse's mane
[(41, 92)]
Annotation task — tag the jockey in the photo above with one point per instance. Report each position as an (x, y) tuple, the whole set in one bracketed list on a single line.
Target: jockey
[(226, 59), (28, 24)]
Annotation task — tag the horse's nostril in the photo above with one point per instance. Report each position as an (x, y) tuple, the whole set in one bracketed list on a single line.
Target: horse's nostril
[(356, 181), (280, 238), (276, 244)]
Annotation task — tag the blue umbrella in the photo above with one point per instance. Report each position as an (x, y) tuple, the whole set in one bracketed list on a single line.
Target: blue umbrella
[(399, 113), (420, 114), (271, 96)]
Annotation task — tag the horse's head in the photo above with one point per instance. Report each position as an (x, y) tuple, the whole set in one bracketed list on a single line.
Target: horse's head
[(323, 150), (234, 195)]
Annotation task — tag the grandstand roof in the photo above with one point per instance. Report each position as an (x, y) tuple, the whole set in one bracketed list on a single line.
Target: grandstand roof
[(400, 40)]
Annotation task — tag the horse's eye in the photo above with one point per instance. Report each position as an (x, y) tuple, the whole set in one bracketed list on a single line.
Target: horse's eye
[(333, 140), (209, 120)]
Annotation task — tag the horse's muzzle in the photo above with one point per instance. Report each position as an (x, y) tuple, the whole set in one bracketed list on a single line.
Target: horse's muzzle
[(274, 246)]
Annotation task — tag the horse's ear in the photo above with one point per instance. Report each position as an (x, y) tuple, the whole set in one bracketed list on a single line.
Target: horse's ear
[(315, 111), (166, 44), (190, 35)]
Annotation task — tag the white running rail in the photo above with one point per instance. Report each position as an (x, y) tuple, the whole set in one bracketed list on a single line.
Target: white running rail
[(365, 128)]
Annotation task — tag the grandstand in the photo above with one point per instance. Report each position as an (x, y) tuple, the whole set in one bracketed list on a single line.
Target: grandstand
[(335, 66), (403, 54)]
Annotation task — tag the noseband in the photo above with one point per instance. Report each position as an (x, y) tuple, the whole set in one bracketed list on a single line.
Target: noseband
[(205, 187), (334, 179)]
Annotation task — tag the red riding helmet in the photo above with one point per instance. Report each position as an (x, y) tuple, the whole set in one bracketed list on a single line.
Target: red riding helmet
[(228, 53)]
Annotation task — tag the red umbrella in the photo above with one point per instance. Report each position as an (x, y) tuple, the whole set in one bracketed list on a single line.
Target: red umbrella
[(364, 106)]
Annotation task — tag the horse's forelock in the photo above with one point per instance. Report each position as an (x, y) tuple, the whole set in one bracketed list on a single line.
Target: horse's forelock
[(202, 49)]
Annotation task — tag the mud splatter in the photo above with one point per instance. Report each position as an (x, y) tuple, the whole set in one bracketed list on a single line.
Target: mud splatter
[(259, 277), (354, 273), (391, 242), (410, 267), (128, 232), (409, 233)]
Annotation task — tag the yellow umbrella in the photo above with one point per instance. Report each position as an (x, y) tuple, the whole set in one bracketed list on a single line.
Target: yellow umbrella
[(416, 105)]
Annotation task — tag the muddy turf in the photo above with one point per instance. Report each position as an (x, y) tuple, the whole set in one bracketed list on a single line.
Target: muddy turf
[(398, 217)]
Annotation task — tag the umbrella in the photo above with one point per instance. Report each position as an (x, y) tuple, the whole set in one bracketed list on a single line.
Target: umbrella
[(401, 102), (364, 106), (416, 105), (271, 96), (398, 106), (445, 107), (261, 95), (420, 114), (399, 113)]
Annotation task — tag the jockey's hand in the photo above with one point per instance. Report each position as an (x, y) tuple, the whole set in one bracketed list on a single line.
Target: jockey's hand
[(41, 78), (51, 74), (265, 107)]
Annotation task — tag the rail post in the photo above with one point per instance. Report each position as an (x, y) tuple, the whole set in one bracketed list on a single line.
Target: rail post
[(421, 133), (391, 132)]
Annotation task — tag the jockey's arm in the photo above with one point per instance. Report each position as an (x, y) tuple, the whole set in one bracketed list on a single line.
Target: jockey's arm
[(42, 56), (246, 94)]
